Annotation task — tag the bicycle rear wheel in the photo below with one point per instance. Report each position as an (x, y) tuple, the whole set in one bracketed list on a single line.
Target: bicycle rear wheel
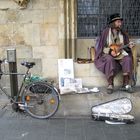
[(41, 100)]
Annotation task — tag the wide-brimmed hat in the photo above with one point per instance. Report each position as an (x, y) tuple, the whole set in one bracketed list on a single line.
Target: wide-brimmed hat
[(115, 17)]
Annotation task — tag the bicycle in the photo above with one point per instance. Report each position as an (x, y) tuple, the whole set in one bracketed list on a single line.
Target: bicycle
[(39, 98)]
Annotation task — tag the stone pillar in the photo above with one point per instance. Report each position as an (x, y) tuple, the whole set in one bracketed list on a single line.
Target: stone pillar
[(61, 29), (70, 28)]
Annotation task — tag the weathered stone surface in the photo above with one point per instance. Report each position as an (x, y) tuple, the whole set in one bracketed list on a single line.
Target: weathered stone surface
[(24, 52), (7, 4), (52, 3), (28, 33), (50, 68), (3, 19), (51, 16), (85, 44), (45, 52), (49, 34), (61, 48), (12, 15), (4, 40), (31, 16), (40, 4)]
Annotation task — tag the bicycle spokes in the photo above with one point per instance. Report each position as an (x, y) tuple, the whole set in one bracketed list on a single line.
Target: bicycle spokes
[(41, 100)]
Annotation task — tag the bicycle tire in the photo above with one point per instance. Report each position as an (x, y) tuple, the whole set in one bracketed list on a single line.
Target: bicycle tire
[(41, 100)]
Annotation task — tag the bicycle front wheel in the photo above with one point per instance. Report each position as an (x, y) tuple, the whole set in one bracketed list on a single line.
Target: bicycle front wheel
[(41, 100)]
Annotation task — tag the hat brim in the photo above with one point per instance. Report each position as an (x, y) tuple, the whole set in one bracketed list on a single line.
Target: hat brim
[(118, 18)]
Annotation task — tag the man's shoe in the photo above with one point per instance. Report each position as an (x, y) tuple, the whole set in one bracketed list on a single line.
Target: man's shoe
[(110, 89), (127, 88)]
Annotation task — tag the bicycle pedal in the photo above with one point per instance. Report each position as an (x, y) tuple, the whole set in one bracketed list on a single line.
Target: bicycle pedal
[(21, 106)]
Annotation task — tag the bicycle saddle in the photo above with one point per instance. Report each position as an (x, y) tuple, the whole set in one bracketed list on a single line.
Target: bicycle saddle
[(28, 64)]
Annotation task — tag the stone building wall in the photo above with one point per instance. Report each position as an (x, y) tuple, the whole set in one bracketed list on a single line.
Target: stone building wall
[(43, 32), (37, 33)]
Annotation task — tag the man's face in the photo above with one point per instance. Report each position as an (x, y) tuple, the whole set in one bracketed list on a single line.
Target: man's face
[(118, 24)]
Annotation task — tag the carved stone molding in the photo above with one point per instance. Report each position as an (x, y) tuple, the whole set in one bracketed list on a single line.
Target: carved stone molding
[(22, 3)]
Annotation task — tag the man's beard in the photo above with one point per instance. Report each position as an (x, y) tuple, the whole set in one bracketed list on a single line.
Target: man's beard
[(117, 28)]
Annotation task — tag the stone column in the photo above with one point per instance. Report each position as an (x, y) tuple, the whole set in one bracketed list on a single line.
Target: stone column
[(61, 30), (70, 28)]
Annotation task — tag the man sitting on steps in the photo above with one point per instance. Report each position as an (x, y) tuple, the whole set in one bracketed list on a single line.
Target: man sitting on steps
[(113, 52)]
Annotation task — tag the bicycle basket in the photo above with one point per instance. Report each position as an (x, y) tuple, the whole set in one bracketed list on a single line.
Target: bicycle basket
[(38, 88)]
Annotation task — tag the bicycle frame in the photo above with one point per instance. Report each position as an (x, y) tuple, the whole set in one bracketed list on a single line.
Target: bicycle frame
[(15, 100), (34, 94)]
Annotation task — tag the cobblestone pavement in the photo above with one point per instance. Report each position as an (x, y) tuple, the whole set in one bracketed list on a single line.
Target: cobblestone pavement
[(26, 128), (19, 125)]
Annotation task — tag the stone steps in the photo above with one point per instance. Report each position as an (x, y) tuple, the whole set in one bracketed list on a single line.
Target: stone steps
[(76, 105), (79, 105)]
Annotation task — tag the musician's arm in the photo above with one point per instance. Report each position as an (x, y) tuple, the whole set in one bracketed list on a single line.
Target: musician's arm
[(128, 50), (106, 48)]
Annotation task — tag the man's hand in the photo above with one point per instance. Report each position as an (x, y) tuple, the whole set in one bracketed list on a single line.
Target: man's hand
[(131, 45), (113, 54)]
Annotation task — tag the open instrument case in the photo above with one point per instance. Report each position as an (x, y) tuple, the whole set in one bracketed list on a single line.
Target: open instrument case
[(114, 111)]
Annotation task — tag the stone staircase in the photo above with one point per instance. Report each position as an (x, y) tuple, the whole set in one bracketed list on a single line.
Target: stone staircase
[(79, 105)]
